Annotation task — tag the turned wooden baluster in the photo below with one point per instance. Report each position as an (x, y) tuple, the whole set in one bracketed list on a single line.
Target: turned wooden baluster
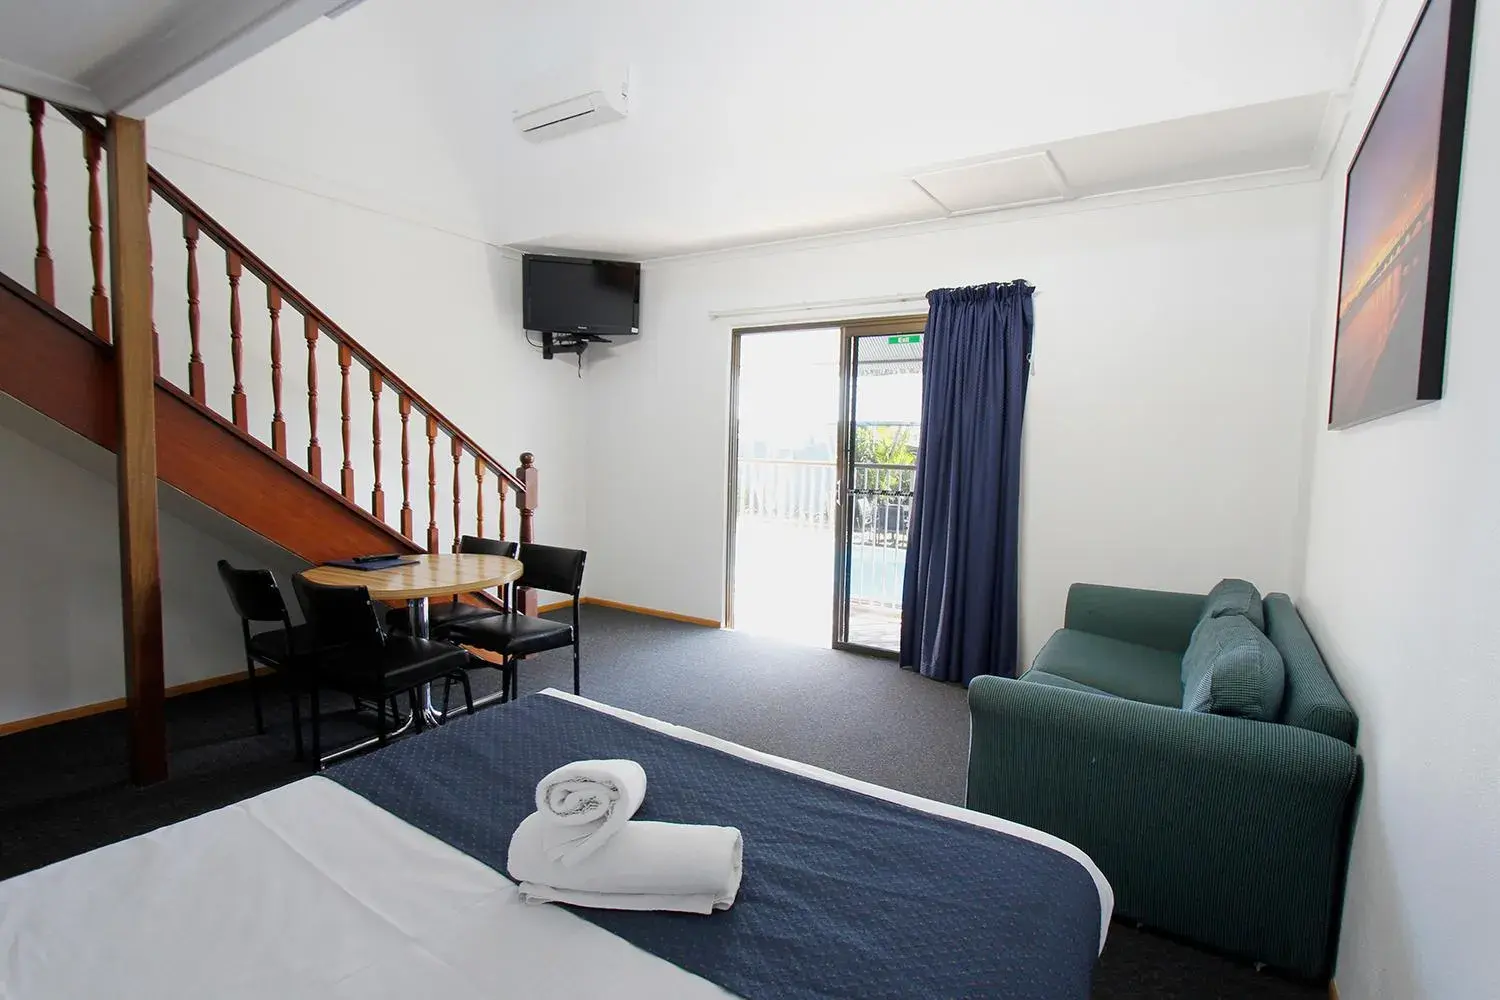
[(377, 495), (36, 109), (478, 496), (404, 406), (500, 533), (195, 359), (278, 425), (151, 288), (346, 475), (458, 454), (314, 450), (99, 301), (233, 268), (432, 532)]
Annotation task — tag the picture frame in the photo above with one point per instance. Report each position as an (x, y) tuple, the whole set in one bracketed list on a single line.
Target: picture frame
[(1400, 218)]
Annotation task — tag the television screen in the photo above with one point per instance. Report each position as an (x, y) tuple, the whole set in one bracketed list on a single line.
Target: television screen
[(599, 298)]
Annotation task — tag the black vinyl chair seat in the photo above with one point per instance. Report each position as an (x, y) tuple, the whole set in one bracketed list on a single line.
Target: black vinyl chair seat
[(257, 600), (353, 653), (511, 634), (400, 665), (439, 616), (272, 648)]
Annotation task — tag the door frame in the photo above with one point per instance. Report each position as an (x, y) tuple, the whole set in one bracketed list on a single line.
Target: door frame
[(848, 330), (843, 551)]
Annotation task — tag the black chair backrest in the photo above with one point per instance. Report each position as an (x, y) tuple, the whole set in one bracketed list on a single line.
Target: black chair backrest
[(339, 616), (474, 545), (548, 567), (254, 594)]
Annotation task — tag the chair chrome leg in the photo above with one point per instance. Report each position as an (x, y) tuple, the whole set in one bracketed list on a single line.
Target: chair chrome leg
[(575, 668), (380, 733), (468, 694)]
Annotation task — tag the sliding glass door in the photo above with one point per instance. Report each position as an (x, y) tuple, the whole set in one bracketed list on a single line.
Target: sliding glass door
[(879, 432)]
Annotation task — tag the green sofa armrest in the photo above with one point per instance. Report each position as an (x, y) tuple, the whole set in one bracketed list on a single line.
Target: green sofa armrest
[(1161, 619), (1228, 831)]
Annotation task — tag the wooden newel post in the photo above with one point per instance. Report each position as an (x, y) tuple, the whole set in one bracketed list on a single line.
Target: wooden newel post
[(135, 366), (526, 504)]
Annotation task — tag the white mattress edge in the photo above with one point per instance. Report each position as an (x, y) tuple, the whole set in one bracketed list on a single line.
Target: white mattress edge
[(936, 808)]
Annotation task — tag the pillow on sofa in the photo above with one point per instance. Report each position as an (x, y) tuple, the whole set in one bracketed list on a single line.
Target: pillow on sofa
[(1234, 597), (1231, 668)]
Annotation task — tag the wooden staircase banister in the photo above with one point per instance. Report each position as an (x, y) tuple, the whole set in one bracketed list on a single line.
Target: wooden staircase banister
[(207, 225), (211, 228), (79, 376)]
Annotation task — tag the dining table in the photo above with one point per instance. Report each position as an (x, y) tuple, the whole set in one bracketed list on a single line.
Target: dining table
[(418, 579)]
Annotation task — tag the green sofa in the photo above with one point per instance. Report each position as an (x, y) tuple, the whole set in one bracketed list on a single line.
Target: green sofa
[(1228, 831)]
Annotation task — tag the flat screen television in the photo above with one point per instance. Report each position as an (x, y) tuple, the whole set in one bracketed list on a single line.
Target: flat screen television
[(581, 297)]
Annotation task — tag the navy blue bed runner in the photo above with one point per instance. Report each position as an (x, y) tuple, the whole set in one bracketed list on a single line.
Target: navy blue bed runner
[(843, 895)]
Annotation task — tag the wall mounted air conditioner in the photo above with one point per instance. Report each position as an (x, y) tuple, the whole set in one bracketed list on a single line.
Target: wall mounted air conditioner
[(565, 105)]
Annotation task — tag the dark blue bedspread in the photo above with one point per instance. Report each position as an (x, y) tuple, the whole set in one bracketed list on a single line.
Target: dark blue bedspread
[(843, 895)]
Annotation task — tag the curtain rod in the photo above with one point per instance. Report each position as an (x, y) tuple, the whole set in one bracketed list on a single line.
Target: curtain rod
[(829, 304), (878, 300)]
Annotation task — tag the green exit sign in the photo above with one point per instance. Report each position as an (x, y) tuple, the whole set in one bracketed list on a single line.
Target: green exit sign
[(905, 338)]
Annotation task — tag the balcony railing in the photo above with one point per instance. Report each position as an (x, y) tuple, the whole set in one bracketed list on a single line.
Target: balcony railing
[(799, 492), (794, 490)]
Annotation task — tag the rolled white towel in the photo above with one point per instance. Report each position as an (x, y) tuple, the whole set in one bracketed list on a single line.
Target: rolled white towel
[(585, 803), (645, 866)]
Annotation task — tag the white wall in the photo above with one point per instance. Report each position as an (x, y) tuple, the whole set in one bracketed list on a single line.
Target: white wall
[(1403, 578), (60, 575), (1163, 430)]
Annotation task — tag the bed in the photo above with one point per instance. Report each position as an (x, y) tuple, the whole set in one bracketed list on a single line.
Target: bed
[(380, 879)]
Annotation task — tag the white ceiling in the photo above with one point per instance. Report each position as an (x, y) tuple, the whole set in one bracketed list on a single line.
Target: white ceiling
[(135, 56), (769, 118)]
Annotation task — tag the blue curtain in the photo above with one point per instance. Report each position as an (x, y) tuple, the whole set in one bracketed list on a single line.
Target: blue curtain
[(960, 609)]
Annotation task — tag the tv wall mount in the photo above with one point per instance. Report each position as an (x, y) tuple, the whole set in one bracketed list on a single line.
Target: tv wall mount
[(554, 344)]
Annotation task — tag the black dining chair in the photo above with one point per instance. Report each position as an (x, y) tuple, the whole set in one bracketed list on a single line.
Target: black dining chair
[(514, 635), (257, 600), (440, 614), (353, 653)]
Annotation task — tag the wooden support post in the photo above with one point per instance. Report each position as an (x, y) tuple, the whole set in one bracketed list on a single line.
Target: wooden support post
[(135, 365), (526, 504)]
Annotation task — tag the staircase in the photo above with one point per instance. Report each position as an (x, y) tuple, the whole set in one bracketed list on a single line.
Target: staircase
[(64, 366)]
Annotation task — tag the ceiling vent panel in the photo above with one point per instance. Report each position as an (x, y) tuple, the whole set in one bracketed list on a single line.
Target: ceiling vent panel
[(1030, 179)]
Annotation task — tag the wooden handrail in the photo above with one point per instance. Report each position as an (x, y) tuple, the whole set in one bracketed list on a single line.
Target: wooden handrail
[(209, 226), (280, 295)]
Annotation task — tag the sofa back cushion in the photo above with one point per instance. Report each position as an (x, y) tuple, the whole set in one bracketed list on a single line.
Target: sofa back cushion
[(1234, 597), (1231, 668), (1312, 700)]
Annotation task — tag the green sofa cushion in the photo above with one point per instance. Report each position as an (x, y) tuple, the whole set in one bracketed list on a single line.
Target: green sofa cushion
[(1231, 668), (1124, 669), (1312, 700), (1035, 676), (1234, 597)]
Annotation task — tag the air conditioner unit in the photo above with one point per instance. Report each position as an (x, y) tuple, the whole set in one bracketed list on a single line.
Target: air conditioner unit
[(587, 104)]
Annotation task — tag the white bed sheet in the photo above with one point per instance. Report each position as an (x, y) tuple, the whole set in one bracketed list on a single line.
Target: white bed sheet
[(310, 891)]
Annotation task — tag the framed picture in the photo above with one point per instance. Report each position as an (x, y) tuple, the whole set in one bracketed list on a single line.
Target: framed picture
[(1400, 210)]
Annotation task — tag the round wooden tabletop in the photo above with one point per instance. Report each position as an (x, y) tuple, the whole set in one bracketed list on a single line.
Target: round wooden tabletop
[(430, 576)]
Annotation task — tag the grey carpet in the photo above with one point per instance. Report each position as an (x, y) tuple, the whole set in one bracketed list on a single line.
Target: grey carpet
[(63, 789)]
